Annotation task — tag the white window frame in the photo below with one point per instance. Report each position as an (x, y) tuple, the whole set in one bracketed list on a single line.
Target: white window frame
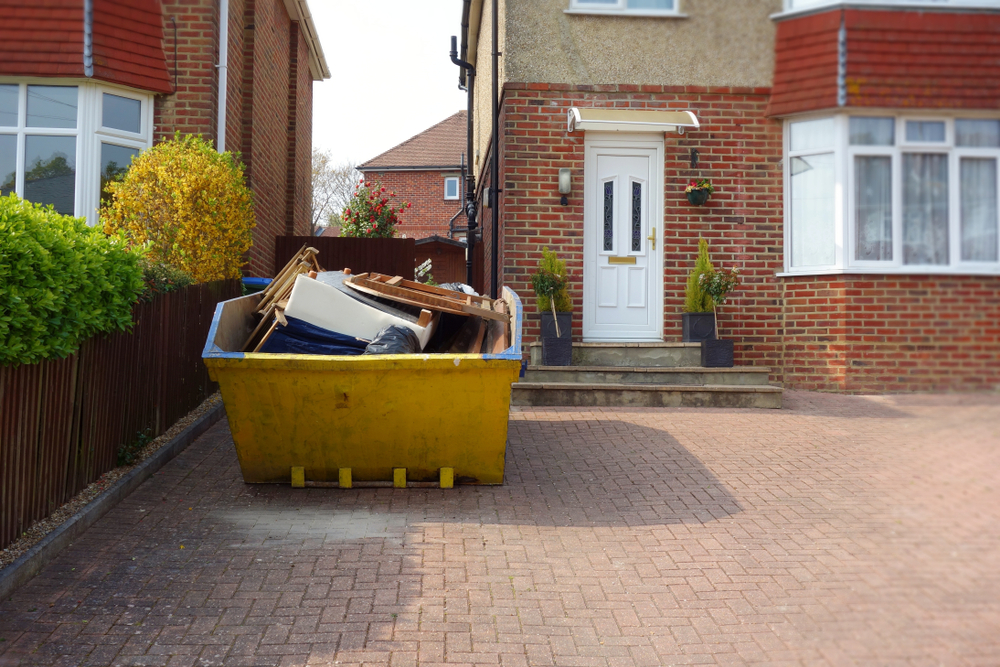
[(844, 208), (458, 188), (619, 7), (89, 133)]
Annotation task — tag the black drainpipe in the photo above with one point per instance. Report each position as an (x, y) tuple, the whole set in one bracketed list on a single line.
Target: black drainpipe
[(470, 179), (495, 188)]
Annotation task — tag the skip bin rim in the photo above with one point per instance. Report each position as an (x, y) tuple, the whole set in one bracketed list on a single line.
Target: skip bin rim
[(213, 351)]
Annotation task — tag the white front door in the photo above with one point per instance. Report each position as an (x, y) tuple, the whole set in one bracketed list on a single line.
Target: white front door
[(622, 244)]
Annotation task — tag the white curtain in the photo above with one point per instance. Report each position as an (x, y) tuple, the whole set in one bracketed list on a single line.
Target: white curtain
[(873, 207), (978, 191), (925, 208)]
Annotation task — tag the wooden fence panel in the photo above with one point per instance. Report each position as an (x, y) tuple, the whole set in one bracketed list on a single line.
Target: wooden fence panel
[(394, 257), (63, 421)]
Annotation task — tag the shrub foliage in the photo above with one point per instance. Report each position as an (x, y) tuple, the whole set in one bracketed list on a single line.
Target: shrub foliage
[(371, 213), (189, 204), (550, 279), (60, 282), (696, 299)]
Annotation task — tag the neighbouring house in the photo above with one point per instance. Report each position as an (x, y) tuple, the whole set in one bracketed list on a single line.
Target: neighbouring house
[(86, 84), (427, 171), (853, 146)]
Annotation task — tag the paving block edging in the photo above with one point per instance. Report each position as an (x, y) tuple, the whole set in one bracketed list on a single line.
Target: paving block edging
[(31, 562)]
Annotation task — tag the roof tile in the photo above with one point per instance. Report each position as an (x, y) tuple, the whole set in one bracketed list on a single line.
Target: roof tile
[(439, 146)]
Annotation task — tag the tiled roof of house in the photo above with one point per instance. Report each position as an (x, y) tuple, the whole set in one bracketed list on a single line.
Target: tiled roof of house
[(128, 40), (42, 38), (45, 38), (439, 146), (895, 59)]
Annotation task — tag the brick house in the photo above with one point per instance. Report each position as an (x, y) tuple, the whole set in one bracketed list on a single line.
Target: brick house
[(854, 148), (426, 170), (87, 84)]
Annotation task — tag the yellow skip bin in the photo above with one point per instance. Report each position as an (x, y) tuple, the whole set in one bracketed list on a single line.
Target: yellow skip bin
[(371, 414)]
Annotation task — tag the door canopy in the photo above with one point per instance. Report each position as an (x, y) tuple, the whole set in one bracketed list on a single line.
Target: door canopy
[(630, 120)]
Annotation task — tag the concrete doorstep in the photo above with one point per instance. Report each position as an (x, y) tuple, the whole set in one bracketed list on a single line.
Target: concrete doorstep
[(31, 563)]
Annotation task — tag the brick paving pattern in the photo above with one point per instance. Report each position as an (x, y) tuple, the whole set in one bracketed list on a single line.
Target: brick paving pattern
[(842, 530)]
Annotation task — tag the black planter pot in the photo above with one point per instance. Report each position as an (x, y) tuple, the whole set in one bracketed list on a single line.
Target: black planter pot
[(697, 197), (697, 327), (557, 350), (717, 353)]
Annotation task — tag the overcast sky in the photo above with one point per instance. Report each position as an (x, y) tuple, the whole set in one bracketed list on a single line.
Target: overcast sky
[(391, 77)]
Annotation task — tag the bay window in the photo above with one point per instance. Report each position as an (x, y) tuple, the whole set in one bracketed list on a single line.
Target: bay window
[(61, 141), (888, 194)]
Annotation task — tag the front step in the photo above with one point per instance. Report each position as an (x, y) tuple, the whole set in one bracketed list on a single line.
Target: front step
[(739, 375), (576, 394), (629, 355)]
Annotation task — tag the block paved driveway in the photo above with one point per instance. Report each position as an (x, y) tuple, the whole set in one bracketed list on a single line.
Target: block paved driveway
[(841, 530)]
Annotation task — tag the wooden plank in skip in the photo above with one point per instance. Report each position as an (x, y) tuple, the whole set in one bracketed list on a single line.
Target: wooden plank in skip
[(450, 302)]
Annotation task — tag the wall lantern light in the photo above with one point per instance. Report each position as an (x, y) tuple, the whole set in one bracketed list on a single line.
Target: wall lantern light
[(565, 185)]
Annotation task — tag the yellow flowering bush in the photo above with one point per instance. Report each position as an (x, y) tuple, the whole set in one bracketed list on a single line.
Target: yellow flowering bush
[(188, 204)]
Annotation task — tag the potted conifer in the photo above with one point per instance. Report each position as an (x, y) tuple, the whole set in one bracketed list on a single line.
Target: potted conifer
[(698, 319), (718, 353), (549, 283)]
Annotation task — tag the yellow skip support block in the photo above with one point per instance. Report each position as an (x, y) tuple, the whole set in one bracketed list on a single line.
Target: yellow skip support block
[(447, 478), (345, 478), (298, 477), (399, 478)]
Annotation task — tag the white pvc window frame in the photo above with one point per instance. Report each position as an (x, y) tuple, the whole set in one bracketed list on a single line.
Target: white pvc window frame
[(89, 133), (621, 7), (452, 180), (844, 206)]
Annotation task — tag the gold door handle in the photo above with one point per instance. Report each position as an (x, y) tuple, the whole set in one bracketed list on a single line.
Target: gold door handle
[(652, 237)]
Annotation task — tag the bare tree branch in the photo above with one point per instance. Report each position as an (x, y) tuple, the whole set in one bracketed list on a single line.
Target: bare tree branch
[(332, 186)]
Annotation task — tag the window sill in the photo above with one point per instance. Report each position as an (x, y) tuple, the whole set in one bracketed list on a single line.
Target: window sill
[(619, 12), (916, 271)]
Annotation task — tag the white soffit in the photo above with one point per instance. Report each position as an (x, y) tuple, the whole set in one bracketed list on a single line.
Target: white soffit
[(629, 120), (298, 10)]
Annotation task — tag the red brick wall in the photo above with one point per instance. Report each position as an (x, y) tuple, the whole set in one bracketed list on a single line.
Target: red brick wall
[(740, 152), (192, 107), (879, 333), (430, 211), (260, 111), (871, 333), (268, 145), (303, 110)]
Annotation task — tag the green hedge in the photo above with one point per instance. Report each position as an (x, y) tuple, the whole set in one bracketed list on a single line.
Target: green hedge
[(60, 282)]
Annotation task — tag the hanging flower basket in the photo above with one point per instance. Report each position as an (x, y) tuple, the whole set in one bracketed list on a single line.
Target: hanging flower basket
[(698, 192)]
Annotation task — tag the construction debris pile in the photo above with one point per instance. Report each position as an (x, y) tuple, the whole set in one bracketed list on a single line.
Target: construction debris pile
[(308, 310)]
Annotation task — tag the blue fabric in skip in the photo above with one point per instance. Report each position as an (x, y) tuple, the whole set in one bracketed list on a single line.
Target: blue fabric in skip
[(303, 338)]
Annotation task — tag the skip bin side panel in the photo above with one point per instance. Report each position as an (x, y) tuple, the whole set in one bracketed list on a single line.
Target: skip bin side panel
[(368, 414)]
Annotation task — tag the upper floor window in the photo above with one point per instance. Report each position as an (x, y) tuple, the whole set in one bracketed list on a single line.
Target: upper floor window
[(451, 187), (888, 194), (792, 5), (61, 143), (637, 7)]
